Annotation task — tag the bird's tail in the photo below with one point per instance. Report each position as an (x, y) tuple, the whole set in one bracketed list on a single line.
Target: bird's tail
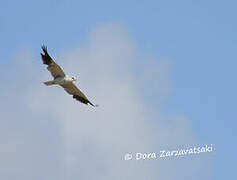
[(49, 83)]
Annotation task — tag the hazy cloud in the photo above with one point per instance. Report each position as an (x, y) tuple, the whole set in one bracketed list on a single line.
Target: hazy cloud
[(46, 134)]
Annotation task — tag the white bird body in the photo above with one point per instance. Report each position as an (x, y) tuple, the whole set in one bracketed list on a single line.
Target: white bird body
[(60, 78), (63, 80)]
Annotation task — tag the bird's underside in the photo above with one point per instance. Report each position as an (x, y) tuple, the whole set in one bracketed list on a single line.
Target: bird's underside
[(60, 78)]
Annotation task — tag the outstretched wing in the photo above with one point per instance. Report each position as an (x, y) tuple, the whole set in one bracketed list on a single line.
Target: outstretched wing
[(72, 89), (53, 67)]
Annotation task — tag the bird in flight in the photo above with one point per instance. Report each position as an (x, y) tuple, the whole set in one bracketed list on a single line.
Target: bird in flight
[(60, 78)]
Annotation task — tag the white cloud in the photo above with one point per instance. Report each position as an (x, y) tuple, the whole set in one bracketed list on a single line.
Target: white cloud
[(91, 141)]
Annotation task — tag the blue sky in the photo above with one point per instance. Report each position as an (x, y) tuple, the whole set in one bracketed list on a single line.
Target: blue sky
[(198, 37)]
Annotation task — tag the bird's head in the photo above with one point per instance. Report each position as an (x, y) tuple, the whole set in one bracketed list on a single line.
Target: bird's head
[(74, 78)]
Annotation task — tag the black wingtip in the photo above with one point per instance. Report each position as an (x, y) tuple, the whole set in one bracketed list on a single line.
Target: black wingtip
[(81, 99), (96, 105), (44, 48), (84, 101), (45, 57)]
